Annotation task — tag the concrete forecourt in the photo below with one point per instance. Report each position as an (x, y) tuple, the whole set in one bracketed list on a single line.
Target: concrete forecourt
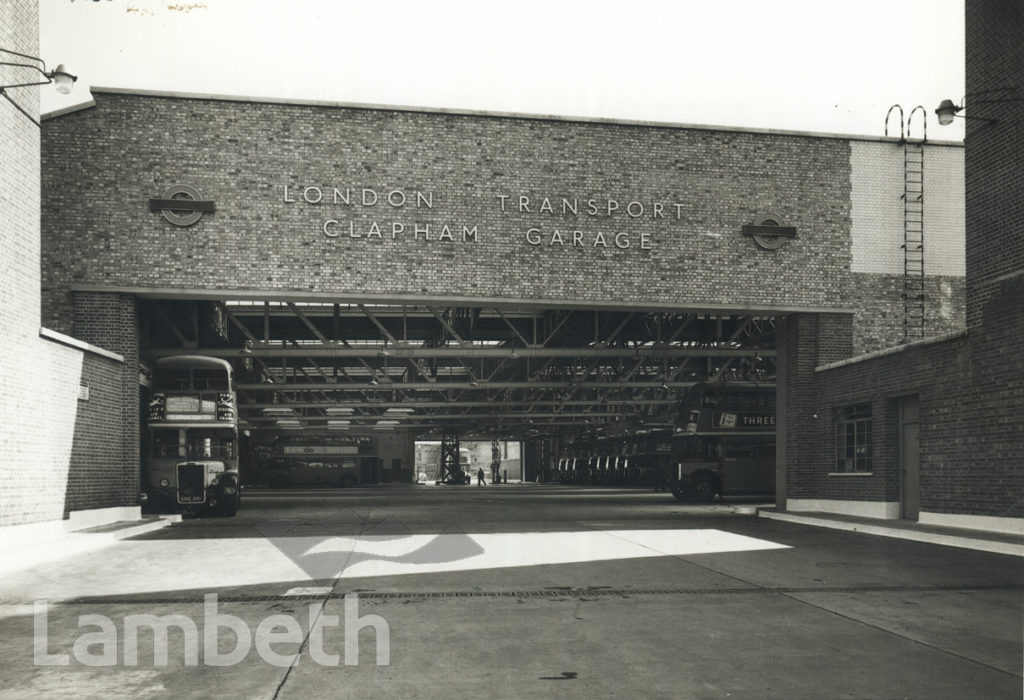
[(517, 591)]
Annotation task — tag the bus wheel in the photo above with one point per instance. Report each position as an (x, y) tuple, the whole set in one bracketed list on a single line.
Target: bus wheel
[(703, 488), (680, 491)]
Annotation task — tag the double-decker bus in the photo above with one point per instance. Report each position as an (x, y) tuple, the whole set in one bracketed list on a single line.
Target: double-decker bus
[(315, 461), (716, 443), (726, 447), (190, 455)]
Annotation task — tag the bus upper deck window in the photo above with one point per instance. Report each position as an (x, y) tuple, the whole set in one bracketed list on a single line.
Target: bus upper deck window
[(210, 380)]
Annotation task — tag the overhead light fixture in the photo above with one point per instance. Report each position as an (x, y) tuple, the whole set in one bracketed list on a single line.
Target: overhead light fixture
[(339, 411), (59, 76), (948, 110)]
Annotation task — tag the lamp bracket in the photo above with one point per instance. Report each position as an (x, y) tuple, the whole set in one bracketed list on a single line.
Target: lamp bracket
[(999, 95), (49, 76)]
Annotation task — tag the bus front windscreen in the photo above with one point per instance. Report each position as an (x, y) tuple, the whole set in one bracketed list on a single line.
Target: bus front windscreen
[(193, 444)]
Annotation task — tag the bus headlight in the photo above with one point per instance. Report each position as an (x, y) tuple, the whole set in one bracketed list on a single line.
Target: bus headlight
[(165, 483)]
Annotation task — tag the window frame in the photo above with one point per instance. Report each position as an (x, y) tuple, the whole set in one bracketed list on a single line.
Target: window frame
[(854, 444)]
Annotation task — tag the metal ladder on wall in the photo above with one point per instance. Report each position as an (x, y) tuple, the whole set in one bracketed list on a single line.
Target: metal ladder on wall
[(913, 233), (913, 226)]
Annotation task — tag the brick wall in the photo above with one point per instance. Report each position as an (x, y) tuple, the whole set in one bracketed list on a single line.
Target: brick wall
[(36, 430), (969, 406), (994, 431), (111, 321), (19, 179), (970, 389), (52, 444), (100, 473), (993, 434), (798, 356), (102, 165), (71, 453), (39, 380), (994, 199), (876, 194), (878, 316), (970, 386), (935, 372)]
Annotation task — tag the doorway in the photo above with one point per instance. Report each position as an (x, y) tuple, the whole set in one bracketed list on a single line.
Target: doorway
[(910, 476)]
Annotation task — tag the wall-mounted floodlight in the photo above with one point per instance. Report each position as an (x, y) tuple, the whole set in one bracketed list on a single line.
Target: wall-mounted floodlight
[(947, 109), (62, 80), (59, 76)]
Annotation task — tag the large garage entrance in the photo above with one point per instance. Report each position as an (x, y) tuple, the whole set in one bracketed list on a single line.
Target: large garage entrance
[(607, 297), (364, 381)]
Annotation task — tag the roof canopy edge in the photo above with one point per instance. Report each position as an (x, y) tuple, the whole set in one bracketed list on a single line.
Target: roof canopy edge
[(422, 299)]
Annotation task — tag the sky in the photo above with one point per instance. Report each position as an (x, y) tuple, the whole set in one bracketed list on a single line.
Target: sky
[(801, 65)]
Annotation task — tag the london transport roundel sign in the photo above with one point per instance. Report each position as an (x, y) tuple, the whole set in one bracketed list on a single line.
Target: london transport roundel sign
[(182, 205), (769, 231)]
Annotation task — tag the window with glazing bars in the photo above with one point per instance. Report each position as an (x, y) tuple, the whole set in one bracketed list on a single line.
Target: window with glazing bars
[(853, 438)]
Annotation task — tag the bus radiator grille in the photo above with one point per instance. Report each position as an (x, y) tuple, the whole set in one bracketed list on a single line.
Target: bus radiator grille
[(191, 483)]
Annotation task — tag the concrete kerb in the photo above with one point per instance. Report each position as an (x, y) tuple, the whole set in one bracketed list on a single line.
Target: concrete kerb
[(950, 537)]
